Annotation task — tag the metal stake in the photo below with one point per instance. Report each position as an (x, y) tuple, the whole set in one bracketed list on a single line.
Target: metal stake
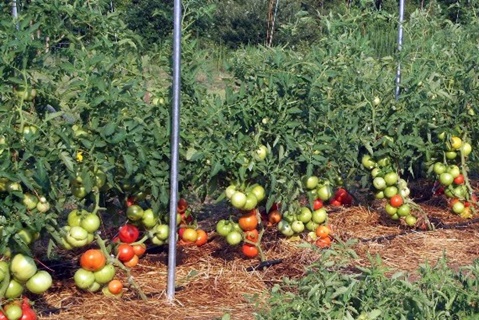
[(175, 119), (400, 40)]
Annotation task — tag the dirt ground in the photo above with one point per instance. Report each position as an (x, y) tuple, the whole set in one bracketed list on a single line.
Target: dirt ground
[(216, 280)]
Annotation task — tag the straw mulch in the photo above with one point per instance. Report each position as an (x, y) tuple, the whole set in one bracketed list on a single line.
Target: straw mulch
[(214, 280)]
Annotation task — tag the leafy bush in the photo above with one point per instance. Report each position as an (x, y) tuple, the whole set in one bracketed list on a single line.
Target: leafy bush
[(332, 289)]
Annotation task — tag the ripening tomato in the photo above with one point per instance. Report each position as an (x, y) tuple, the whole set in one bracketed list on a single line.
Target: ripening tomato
[(115, 286), (201, 238), (132, 262), (323, 231), (323, 242), (250, 250), (139, 249), (274, 217), (248, 222), (252, 235), (125, 252), (189, 235), (92, 260)]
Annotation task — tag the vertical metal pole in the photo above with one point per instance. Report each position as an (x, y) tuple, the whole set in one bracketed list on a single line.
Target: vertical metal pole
[(400, 40), (175, 134), (15, 12)]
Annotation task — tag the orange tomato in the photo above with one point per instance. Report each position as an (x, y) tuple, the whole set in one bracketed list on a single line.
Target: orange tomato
[(115, 286), (202, 237), (323, 231), (132, 262), (92, 260), (139, 249), (396, 201), (248, 222), (323, 242)]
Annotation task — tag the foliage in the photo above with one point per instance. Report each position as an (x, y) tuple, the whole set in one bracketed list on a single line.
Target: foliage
[(332, 289)]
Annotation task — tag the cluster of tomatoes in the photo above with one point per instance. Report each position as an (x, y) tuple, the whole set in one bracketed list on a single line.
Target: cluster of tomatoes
[(451, 181), (321, 190), (127, 247), (188, 232), (96, 273), (20, 273), (388, 185), (80, 229), (244, 230), (245, 199), (19, 309)]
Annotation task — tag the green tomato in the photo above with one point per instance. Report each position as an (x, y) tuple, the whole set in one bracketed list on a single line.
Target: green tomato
[(390, 191), (162, 231), (224, 227), (14, 289), (390, 209), (319, 216), (234, 238), (22, 267), (312, 226), (30, 201), (150, 218), (305, 215), (259, 192), (91, 222), (410, 220), (297, 226), (404, 210), (13, 312), (391, 178), (439, 168), (3, 270), (83, 278), (134, 212), (79, 192), (105, 274), (310, 182), (230, 191), (289, 216), (40, 282), (74, 217), (77, 237), (367, 162), (285, 228), (324, 192), (454, 170), (446, 179), (379, 183), (261, 153), (238, 200), (251, 202)]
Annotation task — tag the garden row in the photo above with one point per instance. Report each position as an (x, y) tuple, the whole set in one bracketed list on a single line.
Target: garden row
[(85, 139)]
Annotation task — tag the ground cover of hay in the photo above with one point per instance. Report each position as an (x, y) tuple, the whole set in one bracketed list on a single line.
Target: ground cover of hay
[(213, 280)]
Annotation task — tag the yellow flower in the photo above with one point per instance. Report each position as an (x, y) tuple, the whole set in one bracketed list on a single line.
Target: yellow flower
[(79, 156)]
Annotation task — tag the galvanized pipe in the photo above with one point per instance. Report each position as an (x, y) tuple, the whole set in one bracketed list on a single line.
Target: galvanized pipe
[(175, 135), (400, 42)]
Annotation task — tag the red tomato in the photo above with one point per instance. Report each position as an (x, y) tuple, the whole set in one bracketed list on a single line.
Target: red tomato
[(459, 179), (250, 250), (317, 204), (125, 252), (92, 260), (396, 201), (335, 203), (182, 205), (129, 233), (130, 201)]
